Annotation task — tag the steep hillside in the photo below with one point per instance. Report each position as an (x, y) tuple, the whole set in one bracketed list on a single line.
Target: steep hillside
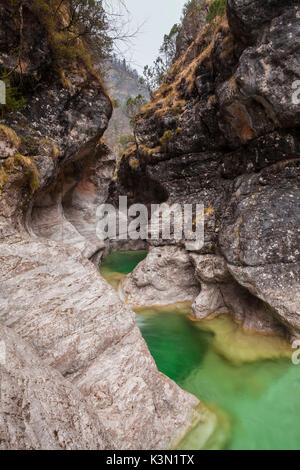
[(122, 82)]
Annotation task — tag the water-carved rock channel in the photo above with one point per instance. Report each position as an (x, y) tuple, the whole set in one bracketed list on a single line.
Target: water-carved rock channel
[(247, 381)]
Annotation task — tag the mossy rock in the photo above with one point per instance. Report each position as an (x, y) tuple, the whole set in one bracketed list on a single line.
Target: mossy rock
[(18, 165), (165, 139), (9, 142)]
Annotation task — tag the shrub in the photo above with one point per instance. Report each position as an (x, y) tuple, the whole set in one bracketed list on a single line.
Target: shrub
[(216, 8), (14, 99), (132, 107), (189, 7)]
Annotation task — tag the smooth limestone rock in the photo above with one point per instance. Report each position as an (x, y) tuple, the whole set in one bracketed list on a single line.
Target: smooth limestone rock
[(165, 277), (210, 268), (221, 293), (55, 299), (68, 213), (277, 285), (209, 302), (123, 385), (50, 293), (41, 410)]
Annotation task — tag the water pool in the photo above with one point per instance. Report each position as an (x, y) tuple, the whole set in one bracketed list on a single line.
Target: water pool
[(249, 379)]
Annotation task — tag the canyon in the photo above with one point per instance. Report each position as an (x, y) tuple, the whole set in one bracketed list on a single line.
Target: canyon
[(222, 130)]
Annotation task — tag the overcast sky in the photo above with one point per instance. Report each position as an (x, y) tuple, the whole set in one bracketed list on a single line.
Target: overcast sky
[(156, 17)]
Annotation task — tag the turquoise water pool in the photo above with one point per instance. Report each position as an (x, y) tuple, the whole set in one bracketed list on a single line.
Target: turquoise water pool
[(249, 377)]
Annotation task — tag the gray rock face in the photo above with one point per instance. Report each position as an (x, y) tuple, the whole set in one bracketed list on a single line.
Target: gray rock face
[(191, 26), (247, 18), (51, 295), (277, 285), (266, 73), (223, 130), (210, 268), (222, 292), (267, 205), (165, 277), (39, 409)]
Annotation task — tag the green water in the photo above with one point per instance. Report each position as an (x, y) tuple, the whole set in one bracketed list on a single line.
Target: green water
[(249, 377), (122, 261), (117, 264)]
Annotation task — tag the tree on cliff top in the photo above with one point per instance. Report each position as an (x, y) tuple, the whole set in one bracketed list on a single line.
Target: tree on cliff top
[(131, 109), (153, 76), (74, 26)]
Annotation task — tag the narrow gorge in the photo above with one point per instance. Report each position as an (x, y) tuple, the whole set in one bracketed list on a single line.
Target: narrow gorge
[(143, 344)]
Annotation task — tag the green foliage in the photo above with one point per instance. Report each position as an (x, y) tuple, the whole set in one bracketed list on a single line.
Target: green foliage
[(132, 106), (190, 7), (116, 103), (125, 140), (89, 21), (153, 76), (216, 8), (70, 35), (168, 47), (14, 98)]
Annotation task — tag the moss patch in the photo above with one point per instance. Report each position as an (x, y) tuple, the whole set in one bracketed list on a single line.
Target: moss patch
[(166, 138), (216, 8)]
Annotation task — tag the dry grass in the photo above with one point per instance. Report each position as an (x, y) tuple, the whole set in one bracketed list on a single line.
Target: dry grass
[(134, 163), (147, 152), (19, 164), (9, 135), (172, 96), (169, 98)]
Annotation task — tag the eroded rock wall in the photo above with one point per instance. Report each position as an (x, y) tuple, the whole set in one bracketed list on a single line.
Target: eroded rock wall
[(54, 171), (223, 130)]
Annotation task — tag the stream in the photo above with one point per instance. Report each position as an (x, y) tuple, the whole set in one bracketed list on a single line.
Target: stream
[(248, 380)]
